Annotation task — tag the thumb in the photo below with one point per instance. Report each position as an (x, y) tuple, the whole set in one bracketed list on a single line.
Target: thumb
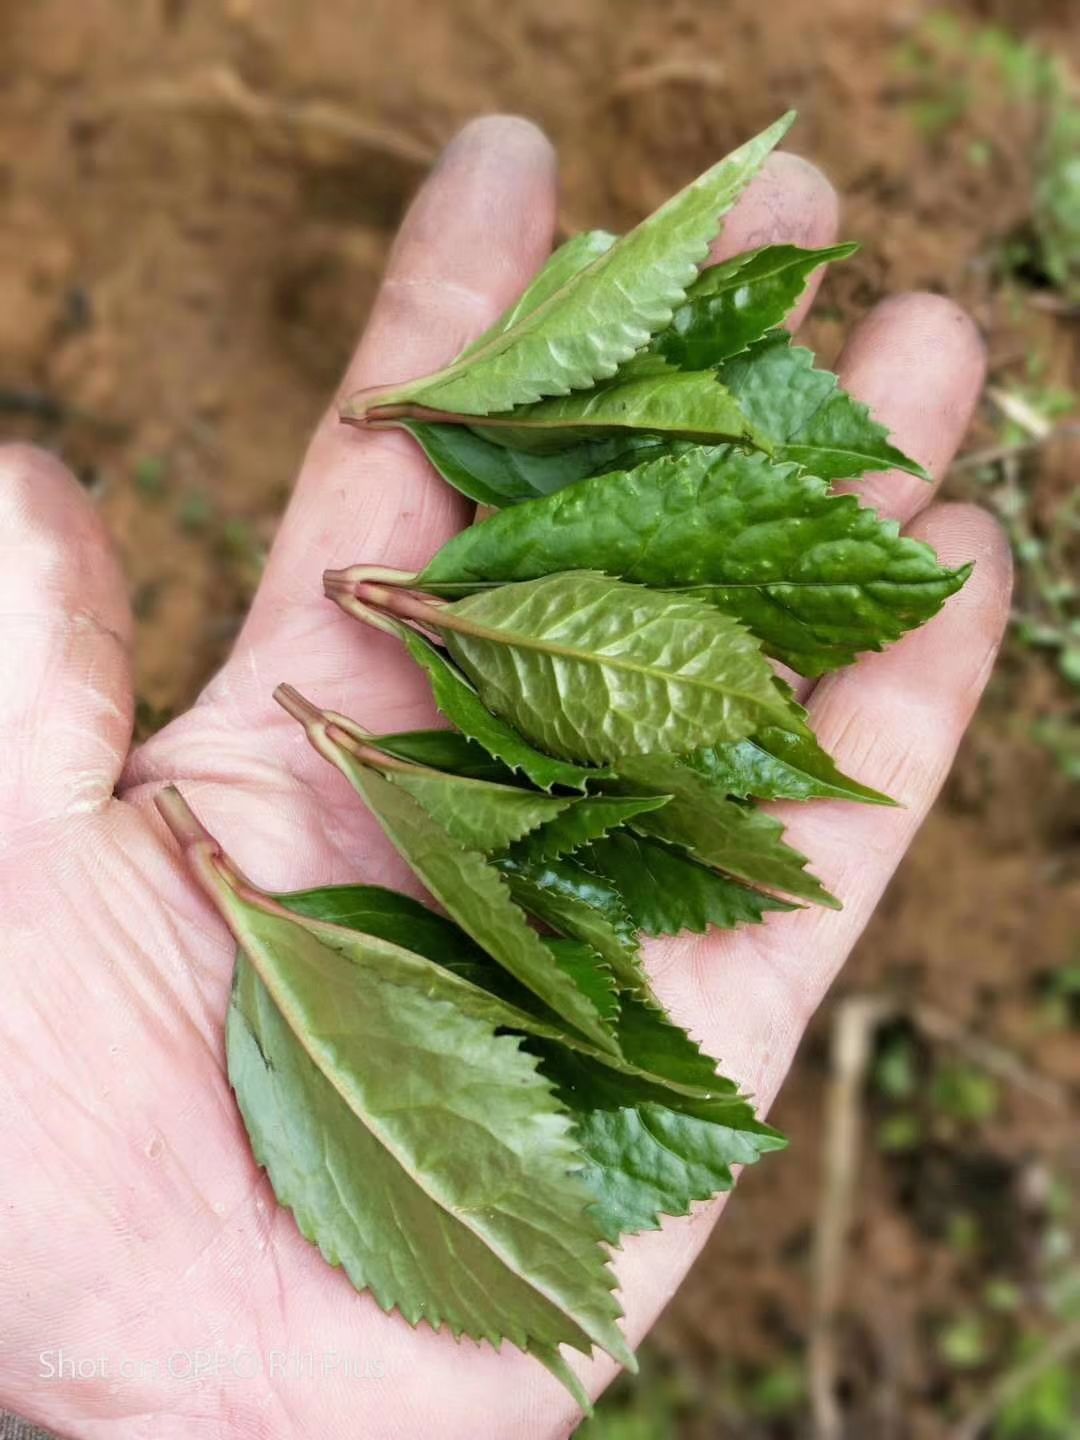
[(65, 630)]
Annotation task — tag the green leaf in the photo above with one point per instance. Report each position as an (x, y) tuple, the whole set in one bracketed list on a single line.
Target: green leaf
[(806, 414), (461, 705), (591, 669), (658, 1047), (601, 315), (416, 1147), (443, 962), (731, 305), (590, 974), (581, 905), (386, 915), (473, 893), (446, 750), (735, 838), (491, 474), (585, 820), (639, 1152), (494, 475), (815, 576), (777, 764), (481, 815), (667, 893), (674, 404), (564, 263), (646, 1157)]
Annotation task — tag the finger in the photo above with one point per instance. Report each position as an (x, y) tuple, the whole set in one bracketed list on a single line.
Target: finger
[(789, 203), (65, 634), (919, 362), (476, 233), (893, 721), (473, 237)]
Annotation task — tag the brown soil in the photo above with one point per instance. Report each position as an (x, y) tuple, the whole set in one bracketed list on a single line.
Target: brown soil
[(197, 200)]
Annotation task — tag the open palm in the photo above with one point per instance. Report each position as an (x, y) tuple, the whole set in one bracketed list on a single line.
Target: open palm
[(138, 1237)]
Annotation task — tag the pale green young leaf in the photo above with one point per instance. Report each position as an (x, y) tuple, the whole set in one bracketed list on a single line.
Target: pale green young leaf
[(461, 705), (807, 416), (563, 264), (583, 821), (591, 974), (731, 305), (814, 575), (602, 315), (477, 813), (475, 895), (671, 404), (472, 1215), (666, 892), (735, 838), (592, 669)]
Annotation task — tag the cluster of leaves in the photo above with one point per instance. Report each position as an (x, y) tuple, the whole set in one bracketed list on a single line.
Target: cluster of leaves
[(461, 1109)]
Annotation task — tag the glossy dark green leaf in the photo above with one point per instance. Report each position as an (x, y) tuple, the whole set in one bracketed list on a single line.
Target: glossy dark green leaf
[(814, 575), (601, 315), (582, 906), (647, 1158), (584, 820), (735, 838), (494, 475), (666, 892), (807, 416), (592, 669), (778, 764), (731, 305), (386, 915), (447, 750), (461, 705)]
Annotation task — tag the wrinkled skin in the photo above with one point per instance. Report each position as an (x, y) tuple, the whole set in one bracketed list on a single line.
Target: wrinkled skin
[(135, 1225)]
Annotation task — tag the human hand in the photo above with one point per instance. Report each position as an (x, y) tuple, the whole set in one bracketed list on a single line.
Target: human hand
[(137, 1230)]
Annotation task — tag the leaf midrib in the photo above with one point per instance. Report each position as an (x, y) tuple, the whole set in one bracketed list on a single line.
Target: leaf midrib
[(483, 632), (375, 1129)]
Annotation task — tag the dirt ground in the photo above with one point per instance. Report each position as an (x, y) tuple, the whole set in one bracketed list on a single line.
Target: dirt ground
[(197, 198)]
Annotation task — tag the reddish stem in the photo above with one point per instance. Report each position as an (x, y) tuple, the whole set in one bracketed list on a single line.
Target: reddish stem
[(326, 728), (203, 853), (401, 603), (186, 827)]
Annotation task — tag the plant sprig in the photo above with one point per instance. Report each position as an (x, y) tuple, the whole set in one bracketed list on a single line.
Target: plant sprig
[(464, 1109)]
